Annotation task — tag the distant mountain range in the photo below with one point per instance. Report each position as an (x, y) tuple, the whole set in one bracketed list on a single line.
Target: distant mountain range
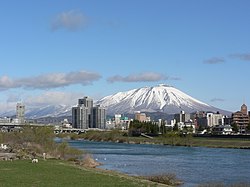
[(44, 111), (158, 99)]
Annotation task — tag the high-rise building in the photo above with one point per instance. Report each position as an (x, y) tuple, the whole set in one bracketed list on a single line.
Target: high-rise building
[(84, 115), (80, 117), (98, 117), (86, 101), (182, 117), (20, 112)]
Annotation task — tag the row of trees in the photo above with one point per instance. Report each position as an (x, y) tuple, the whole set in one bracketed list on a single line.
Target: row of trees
[(136, 128), (172, 136)]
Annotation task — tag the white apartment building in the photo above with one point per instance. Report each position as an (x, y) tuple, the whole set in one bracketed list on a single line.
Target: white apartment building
[(214, 119)]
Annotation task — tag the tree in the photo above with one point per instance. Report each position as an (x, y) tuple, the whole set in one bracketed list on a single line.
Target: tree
[(185, 130), (248, 127), (176, 128), (235, 128), (189, 139), (201, 128), (163, 128), (136, 128), (174, 137), (62, 148)]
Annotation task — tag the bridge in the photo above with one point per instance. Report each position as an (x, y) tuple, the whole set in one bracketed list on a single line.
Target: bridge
[(69, 130), (74, 130), (9, 127)]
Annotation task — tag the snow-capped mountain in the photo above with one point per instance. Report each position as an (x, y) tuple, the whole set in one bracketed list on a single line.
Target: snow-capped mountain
[(44, 111), (48, 111), (161, 98)]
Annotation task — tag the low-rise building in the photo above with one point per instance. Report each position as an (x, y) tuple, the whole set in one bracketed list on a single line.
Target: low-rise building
[(142, 117), (222, 130), (186, 127)]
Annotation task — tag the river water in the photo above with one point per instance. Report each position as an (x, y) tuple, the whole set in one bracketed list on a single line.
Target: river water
[(193, 165)]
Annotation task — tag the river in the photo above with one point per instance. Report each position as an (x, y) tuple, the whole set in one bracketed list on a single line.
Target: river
[(193, 165)]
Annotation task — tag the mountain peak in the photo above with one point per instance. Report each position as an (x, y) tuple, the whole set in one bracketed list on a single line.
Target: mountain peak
[(159, 98)]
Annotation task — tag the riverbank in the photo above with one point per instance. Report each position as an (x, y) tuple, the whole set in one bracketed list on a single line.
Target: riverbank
[(61, 173), (56, 164), (170, 139), (192, 165)]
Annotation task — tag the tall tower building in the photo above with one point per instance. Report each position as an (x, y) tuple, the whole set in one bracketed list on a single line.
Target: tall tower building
[(80, 117), (98, 117), (86, 101), (20, 112), (182, 117), (84, 115)]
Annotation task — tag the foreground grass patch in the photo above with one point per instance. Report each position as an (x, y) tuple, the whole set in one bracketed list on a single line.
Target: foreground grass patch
[(59, 173)]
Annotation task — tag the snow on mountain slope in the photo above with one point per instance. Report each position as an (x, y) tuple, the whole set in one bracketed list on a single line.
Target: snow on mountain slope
[(161, 98), (48, 111)]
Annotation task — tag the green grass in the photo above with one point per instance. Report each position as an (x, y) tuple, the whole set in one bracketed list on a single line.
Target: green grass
[(60, 173)]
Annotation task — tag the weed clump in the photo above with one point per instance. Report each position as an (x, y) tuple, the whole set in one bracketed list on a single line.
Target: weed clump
[(169, 179)]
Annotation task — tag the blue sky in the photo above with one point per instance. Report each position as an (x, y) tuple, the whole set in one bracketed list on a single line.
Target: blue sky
[(56, 51)]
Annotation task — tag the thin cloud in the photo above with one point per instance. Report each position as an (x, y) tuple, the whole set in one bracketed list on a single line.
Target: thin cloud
[(72, 21), (142, 77), (47, 81), (52, 98), (174, 78), (5, 83), (43, 99), (214, 60), (217, 100), (241, 56)]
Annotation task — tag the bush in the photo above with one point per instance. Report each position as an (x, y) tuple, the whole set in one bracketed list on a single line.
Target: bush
[(169, 179), (88, 161)]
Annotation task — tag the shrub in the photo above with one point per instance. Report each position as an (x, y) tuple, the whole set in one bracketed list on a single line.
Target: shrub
[(169, 179), (88, 161)]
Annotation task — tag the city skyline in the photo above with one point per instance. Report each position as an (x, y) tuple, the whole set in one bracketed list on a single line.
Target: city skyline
[(53, 53)]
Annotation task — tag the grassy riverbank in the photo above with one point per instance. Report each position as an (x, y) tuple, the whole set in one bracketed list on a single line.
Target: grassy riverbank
[(63, 165), (61, 173), (169, 139)]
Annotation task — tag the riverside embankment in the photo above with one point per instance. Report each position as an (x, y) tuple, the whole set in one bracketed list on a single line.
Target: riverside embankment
[(168, 139)]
